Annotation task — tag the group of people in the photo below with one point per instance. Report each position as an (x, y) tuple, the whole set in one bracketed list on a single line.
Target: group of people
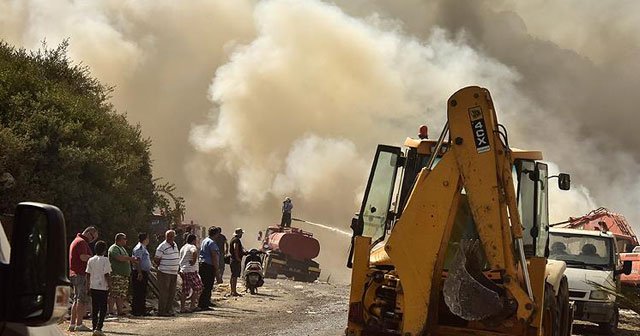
[(101, 273), (103, 276)]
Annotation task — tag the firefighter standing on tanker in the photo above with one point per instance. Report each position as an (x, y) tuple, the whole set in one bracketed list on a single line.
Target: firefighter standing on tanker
[(287, 206)]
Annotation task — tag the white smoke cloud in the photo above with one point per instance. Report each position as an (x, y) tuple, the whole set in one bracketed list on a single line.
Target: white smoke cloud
[(98, 39), (314, 69), (250, 101), (567, 203), (601, 25), (312, 161)]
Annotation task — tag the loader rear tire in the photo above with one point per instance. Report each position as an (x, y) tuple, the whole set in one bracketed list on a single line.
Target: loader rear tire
[(551, 313), (564, 308)]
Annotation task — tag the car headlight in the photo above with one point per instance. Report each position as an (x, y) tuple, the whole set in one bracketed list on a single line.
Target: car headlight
[(598, 295)]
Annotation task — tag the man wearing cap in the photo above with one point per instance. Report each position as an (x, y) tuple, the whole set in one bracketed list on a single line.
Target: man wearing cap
[(237, 252), (208, 267)]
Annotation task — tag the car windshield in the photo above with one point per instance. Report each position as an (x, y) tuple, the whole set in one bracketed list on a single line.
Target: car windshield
[(581, 251)]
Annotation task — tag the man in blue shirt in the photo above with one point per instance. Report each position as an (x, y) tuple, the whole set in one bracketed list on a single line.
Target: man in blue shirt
[(209, 259), (140, 275)]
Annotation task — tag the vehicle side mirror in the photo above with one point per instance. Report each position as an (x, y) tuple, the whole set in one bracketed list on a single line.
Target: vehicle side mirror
[(564, 181), (38, 268), (626, 267)]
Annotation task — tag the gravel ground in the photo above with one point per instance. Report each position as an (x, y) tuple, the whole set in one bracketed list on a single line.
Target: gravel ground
[(283, 308), (629, 325)]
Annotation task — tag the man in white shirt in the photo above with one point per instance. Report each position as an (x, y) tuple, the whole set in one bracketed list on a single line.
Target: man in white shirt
[(189, 274), (167, 259)]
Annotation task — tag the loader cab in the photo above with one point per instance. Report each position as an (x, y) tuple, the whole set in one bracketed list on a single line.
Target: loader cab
[(467, 223), (393, 175)]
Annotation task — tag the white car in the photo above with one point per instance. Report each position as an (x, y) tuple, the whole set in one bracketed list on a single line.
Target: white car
[(593, 269)]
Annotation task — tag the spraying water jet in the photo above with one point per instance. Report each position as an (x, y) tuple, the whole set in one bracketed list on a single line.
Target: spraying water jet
[(326, 227)]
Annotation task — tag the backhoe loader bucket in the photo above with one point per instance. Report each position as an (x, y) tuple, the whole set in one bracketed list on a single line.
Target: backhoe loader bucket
[(467, 292)]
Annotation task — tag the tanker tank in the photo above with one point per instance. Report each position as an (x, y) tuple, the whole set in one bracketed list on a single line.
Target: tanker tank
[(290, 251)]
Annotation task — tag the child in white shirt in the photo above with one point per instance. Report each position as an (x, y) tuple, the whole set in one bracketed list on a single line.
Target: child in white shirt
[(98, 281)]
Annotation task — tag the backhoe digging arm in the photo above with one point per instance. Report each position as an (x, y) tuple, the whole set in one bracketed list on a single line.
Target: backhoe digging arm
[(479, 163)]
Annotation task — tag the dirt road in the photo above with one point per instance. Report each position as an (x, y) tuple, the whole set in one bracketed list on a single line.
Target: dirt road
[(629, 326), (284, 308)]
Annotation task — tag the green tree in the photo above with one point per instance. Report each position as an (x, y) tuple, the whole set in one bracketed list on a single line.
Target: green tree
[(63, 143)]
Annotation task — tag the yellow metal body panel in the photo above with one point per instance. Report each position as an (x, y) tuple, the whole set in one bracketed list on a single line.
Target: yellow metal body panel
[(537, 269), (379, 256), (485, 166), (479, 171), (358, 277), (426, 146), (421, 231), (482, 165)]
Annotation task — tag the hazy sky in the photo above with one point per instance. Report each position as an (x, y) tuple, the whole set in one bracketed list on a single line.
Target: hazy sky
[(250, 101)]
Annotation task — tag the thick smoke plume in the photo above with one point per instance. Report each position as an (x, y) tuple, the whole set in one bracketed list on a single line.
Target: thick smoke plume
[(251, 101)]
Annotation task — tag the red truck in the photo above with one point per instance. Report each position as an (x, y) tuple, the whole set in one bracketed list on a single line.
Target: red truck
[(290, 251), (602, 219)]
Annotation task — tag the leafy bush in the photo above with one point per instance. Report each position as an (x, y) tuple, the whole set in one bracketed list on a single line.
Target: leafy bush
[(63, 143)]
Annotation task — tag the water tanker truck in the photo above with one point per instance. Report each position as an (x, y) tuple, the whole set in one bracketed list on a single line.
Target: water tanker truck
[(290, 251)]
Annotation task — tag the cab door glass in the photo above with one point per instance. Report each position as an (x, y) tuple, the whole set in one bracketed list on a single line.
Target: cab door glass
[(542, 209), (379, 192), (526, 197)]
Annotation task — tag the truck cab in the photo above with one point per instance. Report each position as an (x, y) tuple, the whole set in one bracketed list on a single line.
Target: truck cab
[(593, 271), (34, 289)]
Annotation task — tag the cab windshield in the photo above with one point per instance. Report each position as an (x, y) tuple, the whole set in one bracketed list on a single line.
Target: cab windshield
[(580, 251)]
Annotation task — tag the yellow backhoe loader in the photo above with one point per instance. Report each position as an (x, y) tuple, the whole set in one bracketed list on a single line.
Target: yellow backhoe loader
[(452, 236)]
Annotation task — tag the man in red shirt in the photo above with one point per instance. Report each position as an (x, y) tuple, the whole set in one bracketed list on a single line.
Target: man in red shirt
[(79, 253)]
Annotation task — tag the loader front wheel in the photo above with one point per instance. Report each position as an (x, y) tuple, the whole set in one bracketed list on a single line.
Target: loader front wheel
[(611, 328), (564, 309), (551, 313)]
